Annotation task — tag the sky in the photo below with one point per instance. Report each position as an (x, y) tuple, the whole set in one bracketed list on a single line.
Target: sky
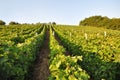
[(59, 11)]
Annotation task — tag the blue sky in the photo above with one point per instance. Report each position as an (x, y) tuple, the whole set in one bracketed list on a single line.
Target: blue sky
[(60, 11)]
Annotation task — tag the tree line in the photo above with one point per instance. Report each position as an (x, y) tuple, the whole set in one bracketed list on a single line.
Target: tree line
[(16, 23), (10, 23), (99, 21)]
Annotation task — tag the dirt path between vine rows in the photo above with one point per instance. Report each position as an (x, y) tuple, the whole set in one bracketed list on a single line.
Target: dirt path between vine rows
[(41, 69), (60, 43)]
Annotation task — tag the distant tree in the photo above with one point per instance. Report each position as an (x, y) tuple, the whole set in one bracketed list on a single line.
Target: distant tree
[(2, 22), (49, 23), (54, 23), (99, 21), (13, 23)]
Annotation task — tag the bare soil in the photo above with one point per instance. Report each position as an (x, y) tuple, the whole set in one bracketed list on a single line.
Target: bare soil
[(41, 68)]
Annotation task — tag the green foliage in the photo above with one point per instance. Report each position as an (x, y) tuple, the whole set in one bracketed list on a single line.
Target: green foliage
[(64, 67), (19, 50), (18, 40), (94, 55), (2, 22), (99, 21), (13, 23), (100, 53), (54, 23)]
